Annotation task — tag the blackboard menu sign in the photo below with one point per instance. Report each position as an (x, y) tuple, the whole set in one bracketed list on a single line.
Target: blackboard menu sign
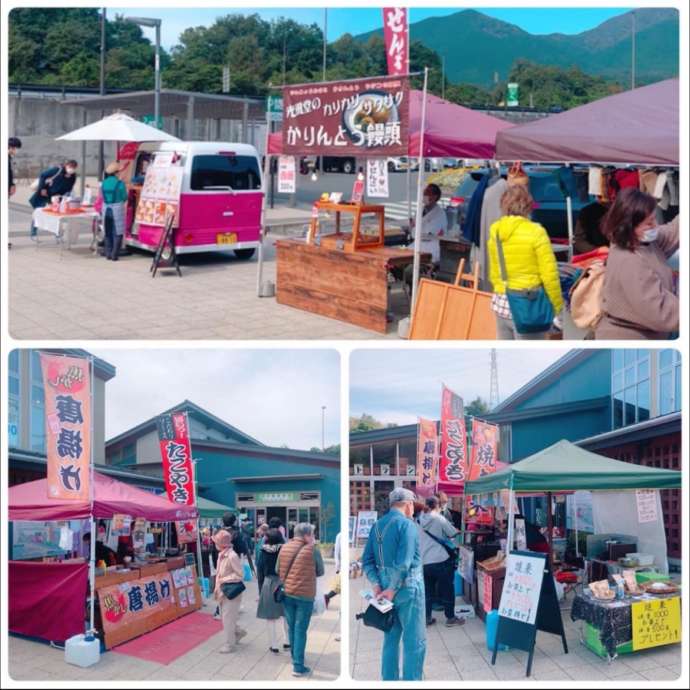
[(528, 603)]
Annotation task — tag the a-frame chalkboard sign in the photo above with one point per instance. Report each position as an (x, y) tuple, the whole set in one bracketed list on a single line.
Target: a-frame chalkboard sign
[(166, 256), (528, 603)]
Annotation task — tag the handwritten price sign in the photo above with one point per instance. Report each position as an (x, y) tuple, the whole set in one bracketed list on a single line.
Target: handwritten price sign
[(656, 623), (521, 589)]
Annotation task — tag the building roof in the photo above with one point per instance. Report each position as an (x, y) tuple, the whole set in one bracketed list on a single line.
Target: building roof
[(651, 428), (194, 410), (390, 433), (544, 379), (175, 103)]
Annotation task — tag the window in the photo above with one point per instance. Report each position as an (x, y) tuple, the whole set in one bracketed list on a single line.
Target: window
[(384, 455), (37, 416), (13, 400), (240, 173), (407, 451), (669, 381), (360, 461), (630, 387)]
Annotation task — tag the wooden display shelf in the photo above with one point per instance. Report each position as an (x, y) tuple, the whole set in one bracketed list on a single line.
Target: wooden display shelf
[(348, 286), (348, 241)]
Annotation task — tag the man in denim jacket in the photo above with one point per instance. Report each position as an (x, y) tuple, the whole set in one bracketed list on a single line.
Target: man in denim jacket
[(392, 563)]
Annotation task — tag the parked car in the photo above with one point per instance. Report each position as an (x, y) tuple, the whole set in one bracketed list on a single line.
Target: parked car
[(401, 163), (549, 200)]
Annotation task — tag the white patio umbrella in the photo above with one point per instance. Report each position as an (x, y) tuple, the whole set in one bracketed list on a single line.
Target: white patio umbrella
[(117, 127)]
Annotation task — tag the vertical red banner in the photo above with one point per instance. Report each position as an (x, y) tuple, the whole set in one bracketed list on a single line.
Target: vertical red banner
[(176, 453), (484, 449), (453, 457), (67, 392), (427, 457), (397, 37)]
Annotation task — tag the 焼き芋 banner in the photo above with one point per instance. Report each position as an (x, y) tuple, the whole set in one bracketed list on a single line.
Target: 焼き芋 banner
[(358, 117), (453, 456), (176, 453), (397, 38), (427, 457), (484, 449), (67, 392)]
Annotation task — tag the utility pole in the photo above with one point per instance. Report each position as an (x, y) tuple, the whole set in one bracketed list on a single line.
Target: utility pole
[(323, 428), (632, 71), (101, 91)]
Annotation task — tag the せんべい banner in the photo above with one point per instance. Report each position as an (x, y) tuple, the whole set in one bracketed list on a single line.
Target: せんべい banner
[(397, 38), (484, 449), (453, 463), (176, 452), (427, 457), (67, 392), (358, 117)]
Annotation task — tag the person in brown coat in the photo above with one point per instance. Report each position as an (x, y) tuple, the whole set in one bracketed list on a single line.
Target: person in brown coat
[(639, 298), (299, 564)]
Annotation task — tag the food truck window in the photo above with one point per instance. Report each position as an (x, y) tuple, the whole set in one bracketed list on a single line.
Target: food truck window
[(240, 173)]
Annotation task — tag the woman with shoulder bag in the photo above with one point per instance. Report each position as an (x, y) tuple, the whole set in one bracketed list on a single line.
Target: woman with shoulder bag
[(228, 589), (523, 271), (639, 298), (269, 609)]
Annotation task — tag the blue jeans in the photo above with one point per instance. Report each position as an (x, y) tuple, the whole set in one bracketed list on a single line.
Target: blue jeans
[(410, 626), (297, 616)]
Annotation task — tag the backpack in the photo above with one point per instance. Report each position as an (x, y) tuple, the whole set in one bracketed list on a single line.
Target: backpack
[(586, 297)]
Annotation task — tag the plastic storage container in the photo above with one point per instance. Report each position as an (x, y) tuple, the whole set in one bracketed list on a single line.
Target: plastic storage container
[(491, 630), (82, 652)]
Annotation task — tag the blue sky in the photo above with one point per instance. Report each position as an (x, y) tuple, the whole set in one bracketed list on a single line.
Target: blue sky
[(273, 395), (397, 386), (360, 20)]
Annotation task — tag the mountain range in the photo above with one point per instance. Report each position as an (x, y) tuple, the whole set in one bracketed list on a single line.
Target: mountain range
[(476, 46)]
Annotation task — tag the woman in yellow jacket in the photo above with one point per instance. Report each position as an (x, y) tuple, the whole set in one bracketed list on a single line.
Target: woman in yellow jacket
[(529, 258)]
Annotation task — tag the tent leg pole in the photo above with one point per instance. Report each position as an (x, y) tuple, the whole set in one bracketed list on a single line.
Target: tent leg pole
[(511, 520), (92, 577), (549, 526), (577, 538), (571, 232)]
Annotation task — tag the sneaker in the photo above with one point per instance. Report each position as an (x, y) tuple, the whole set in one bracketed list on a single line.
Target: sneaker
[(275, 650), (305, 670), (286, 646), (431, 621), (452, 622), (227, 649)]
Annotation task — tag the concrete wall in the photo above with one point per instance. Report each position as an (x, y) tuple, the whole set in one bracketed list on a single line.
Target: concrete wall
[(148, 448), (39, 120)]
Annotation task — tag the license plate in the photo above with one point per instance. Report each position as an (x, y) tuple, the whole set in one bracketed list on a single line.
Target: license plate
[(226, 238)]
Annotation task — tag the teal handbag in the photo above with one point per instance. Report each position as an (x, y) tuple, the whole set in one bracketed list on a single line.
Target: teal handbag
[(531, 309)]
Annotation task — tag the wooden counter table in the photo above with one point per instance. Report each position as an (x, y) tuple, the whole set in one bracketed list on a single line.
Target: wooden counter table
[(350, 286)]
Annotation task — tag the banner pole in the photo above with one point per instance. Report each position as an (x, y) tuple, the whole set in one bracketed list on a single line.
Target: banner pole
[(199, 560), (420, 179), (511, 520), (264, 182), (94, 535)]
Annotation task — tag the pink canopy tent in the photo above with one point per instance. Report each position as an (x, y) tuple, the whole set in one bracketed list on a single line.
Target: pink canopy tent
[(451, 130), (30, 501)]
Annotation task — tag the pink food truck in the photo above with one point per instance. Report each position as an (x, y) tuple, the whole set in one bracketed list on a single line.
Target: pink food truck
[(216, 186)]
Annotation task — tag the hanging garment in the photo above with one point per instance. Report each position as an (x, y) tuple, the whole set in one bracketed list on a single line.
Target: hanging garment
[(471, 228), (648, 181), (627, 178), (660, 185), (594, 180)]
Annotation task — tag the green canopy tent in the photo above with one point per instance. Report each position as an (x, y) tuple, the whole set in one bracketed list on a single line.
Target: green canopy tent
[(210, 509), (567, 467)]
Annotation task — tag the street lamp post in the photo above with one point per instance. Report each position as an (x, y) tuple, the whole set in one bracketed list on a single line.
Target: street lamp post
[(156, 24)]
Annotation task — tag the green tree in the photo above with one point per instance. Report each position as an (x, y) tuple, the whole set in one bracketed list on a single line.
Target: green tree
[(477, 408)]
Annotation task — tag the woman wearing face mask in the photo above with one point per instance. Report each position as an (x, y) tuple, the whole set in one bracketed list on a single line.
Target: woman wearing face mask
[(639, 299), (55, 181)]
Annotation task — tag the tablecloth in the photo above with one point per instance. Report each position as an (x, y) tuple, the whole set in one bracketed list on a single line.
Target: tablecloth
[(51, 222), (613, 619)]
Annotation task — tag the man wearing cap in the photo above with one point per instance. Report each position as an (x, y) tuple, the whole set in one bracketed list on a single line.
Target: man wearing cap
[(392, 563)]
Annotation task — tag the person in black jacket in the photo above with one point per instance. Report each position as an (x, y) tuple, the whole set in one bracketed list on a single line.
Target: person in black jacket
[(56, 181)]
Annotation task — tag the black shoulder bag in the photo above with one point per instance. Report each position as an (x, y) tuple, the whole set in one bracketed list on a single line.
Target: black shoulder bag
[(452, 553), (372, 617), (279, 591)]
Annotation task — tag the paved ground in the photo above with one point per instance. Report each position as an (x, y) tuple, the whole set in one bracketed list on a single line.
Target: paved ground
[(28, 660), (460, 654), (75, 294)]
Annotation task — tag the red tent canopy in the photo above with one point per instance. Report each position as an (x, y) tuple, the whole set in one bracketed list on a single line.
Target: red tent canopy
[(638, 126), (30, 501), (451, 130)]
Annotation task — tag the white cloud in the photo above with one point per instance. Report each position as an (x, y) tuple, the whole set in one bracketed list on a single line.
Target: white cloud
[(273, 395)]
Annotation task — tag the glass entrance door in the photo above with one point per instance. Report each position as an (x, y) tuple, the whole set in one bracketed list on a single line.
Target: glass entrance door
[(381, 491)]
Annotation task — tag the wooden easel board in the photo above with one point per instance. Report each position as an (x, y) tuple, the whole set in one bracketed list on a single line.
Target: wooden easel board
[(445, 311), (528, 603)]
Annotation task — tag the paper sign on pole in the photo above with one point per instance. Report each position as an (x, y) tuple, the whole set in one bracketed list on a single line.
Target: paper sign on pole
[(67, 394), (377, 177), (365, 521), (286, 175), (522, 588), (357, 191), (646, 505), (520, 534)]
